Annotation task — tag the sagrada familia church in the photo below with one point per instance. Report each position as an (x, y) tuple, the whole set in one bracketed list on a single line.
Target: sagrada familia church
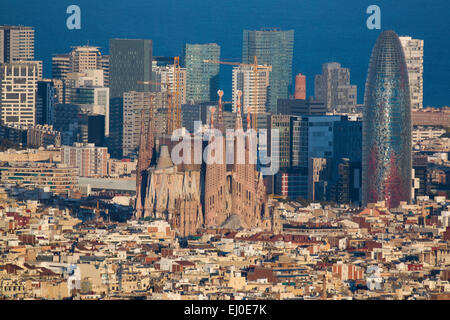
[(210, 195)]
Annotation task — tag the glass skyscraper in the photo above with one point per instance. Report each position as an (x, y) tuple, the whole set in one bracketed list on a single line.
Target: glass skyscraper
[(130, 62), (272, 47), (387, 125), (202, 78)]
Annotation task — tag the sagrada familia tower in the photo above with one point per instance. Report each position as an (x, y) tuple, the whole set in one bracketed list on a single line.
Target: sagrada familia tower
[(209, 196)]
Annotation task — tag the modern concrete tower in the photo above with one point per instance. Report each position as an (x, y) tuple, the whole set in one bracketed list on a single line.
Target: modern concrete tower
[(254, 100), (387, 125), (16, 44), (413, 49)]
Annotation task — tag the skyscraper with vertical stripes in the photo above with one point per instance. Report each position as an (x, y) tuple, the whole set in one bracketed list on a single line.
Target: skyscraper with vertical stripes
[(130, 65), (272, 47), (202, 79)]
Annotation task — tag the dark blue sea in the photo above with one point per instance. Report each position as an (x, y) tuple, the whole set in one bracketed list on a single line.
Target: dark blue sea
[(325, 30)]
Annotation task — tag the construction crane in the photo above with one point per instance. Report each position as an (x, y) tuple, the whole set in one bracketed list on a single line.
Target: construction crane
[(256, 68), (174, 97), (174, 115)]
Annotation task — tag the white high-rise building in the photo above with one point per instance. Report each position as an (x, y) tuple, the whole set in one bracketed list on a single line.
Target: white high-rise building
[(413, 49), (85, 58), (254, 98), (18, 88), (16, 44), (166, 76), (133, 103), (82, 59)]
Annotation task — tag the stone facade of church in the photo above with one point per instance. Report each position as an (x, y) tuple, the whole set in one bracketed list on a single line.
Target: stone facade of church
[(187, 201)]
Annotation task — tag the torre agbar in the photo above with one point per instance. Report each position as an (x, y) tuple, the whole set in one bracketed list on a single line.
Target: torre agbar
[(387, 125)]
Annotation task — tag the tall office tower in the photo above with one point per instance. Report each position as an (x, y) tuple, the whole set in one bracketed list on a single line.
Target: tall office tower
[(254, 91), (347, 142), (387, 125), (280, 150), (104, 65), (166, 76), (347, 150), (300, 107), (80, 59), (420, 174), (16, 44), (413, 49), (18, 85), (273, 47), (163, 61), (94, 100), (90, 160), (58, 84), (311, 136), (334, 89), (85, 58), (61, 66), (320, 135), (45, 102), (299, 142), (300, 87), (133, 103), (130, 62), (202, 79), (347, 189)]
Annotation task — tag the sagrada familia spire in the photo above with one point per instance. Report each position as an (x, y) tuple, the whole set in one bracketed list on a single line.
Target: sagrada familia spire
[(217, 195), (224, 197), (146, 146)]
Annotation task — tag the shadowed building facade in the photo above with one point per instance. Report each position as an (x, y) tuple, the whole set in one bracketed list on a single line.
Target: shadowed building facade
[(130, 64), (387, 125)]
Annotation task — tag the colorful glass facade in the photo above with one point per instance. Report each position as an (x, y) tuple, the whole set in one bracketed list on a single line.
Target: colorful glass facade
[(387, 125)]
